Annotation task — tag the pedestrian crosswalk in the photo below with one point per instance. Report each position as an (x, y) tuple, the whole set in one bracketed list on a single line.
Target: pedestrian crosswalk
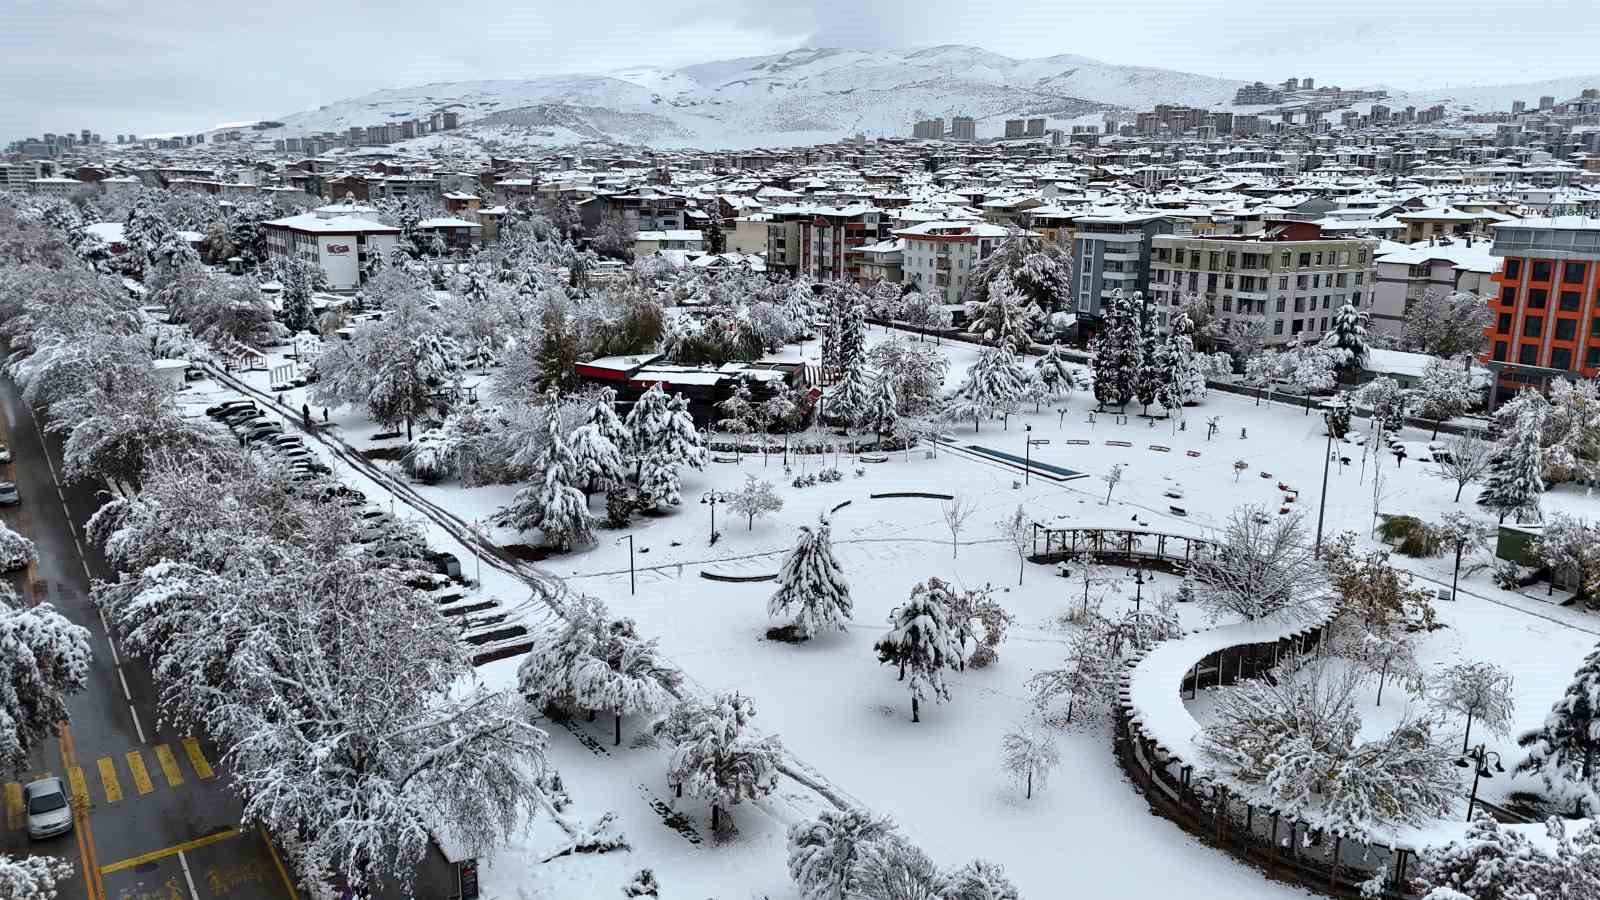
[(103, 783)]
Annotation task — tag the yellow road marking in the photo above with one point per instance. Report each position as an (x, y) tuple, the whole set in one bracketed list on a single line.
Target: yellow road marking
[(108, 779), (80, 787), (13, 805), (197, 759), (169, 765), (165, 852), (141, 777), (283, 873)]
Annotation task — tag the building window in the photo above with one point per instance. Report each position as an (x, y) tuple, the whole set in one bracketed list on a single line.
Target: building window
[(1227, 304), (1280, 305), (1592, 358), (1570, 301), (1504, 324), (1300, 305), (1283, 259), (1277, 327), (1508, 295), (1295, 328), (1324, 325), (1536, 298), (1283, 282), (1513, 268), (1305, 260), (1560, 358), (1594, 328), (1572, 273), (1566, 329), (1499, 351), (1533, 326), (1528, 354), (1541, 270)]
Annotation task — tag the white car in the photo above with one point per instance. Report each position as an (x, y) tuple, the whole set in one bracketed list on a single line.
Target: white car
[(49, 813), (5, 454)]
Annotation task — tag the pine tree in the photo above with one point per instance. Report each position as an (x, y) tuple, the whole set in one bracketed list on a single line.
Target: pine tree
[(847, 402), (882, 412), (1116, 351), (1488, 863), (604, 415), (1185, 381), (659, 482), (553, 504), (995, 384), (598, 465), (1150, 376), (557, 354), (647, 422), (1054, 372), (923, 640), (1348, 339), (1563, 752), (812, 582), (683, 442), (1003, 318), (853, 334), (1516, 469)]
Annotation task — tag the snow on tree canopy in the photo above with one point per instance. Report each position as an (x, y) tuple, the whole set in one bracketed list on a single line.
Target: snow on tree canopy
[(812, 584)]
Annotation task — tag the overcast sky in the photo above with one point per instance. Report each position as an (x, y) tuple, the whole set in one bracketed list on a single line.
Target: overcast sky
[(150, 67)]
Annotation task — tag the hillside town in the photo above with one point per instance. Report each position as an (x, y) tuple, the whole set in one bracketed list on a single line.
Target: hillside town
[(360, 514)]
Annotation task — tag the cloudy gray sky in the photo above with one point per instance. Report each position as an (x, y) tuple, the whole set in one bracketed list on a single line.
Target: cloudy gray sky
[(168, 65)]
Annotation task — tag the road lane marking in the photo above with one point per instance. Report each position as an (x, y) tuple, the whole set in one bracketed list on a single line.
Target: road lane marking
[(191, 747), (141, 776), (13, 805), (165, 852), (115, 660), (80, 787), (169, 765), (288, 883), (108, 779), (137, 725), (126, 695), (187, 877)]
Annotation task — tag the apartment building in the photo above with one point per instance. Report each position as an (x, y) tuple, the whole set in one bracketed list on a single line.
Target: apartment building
[(1111, 252), (1291, 275), (1405, 274), (340, 239), (938, 257), (1546, 313), (820, 241)]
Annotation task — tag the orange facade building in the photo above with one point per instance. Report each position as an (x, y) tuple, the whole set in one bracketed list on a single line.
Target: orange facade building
[(1546, 310)]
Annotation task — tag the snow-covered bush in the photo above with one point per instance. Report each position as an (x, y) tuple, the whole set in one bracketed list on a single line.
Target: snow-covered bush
[(1263, 566), (1030, 755), (16, 551), (826, 853)]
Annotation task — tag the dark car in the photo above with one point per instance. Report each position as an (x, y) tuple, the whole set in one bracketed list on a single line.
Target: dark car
[(445, 564), (220, 408), (8, 494)]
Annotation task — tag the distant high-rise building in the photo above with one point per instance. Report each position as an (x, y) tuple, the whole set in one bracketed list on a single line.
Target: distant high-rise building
[(1307, 84), (85, 136), (1015, 128), (122, 139), (928, 129), (963, 128), (1036, 127), (1518, 107), (452, 120), (1547, 102), (1256, 94), (1292, 84)]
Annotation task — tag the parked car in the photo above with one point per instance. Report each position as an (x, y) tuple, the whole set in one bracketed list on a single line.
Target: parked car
[(49, 813), (226, 406), (5, 454), (288, 440), (445, 564), (8, 494), (258, 433)]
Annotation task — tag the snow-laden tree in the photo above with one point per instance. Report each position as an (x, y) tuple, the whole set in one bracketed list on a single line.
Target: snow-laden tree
[(1447, 324), (1112, 478), (1563, 751), (16, 551), (924, 312), (1570, 545), (1185, 380), (595, 662), (1030, 755), (1117, 351), (812, 583), (1295, 740), (1467, 459), (825, 853), (719, 758), (882, 413), (1247, 335), (32, 877), (44, 658), (1041, 275), (116, 423), (400, 368), (1480, 692), (1379, 612), (924, 639), (1151, 377), (1515, 480), (1460, 532), (659, 483), (1492, 862), (682, 442), (1084, 685), (916, 371), (980, 880), (1386, 401), (1054, 372), (738, 411), (1261, 369), (555, 503), (1312, 369), (597, 462), (754, 500), (895, 869), (1347, 340), (1263, 565), (995, 384), (648, 421), (847, 403), (1446, 391), (1003, 318)]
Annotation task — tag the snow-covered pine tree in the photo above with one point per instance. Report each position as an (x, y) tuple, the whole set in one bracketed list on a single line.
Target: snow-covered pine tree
[(1055, 373), (719, 760), (598, 465), (846, 403), (1565, 751), (825, 853), (755, 499), (1516, 469), (554, 503), (683, 442), (647, 422), (1488, 863), (882, 412), (1186, 380), (46, 659), (853, 333), (659, 482), (1116, 348), (1003, 318), (612, 428), (923, 640), (1348, 338), (1150, 376), (812, 583), (995, 384)]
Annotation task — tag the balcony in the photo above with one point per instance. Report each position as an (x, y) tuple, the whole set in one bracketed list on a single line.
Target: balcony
[(942, 264)]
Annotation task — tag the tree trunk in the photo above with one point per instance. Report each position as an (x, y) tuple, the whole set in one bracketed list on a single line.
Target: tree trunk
[(915, 717), (1460, 486), (1030, 785), (716, 818), (1382, 676), (1455, 576), (1466, 738), (618, 742)]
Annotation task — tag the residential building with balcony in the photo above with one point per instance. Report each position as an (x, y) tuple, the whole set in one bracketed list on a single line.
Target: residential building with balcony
[(1111, 251), (1405, 274), (1546, 313), (819, 241), (1292, 275), (339, 239), (938, 257)]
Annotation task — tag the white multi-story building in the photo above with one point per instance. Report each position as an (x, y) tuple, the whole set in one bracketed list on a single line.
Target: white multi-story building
[(939, 256), (339, 239), (1405, 274)]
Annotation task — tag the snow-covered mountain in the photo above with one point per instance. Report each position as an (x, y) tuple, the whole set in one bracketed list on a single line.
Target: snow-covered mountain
[(816, 95), (802, 96)]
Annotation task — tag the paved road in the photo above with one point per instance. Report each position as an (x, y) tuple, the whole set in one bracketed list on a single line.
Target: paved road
[(155, 821)]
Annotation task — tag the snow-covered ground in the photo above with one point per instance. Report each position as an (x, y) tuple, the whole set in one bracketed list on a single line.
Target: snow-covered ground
[(846, 718)]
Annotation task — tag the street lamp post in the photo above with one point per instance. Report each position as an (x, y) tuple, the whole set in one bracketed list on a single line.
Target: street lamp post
[(1138, 592), (1027, 453), (1322, 507), (629, 539), (711, 499), (1478, 760)]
